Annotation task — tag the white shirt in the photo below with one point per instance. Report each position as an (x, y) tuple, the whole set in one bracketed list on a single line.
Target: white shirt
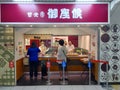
[(43, 49), (70, 48)]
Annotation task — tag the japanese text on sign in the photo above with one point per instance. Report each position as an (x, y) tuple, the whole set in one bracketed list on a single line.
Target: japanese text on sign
[(54, 13)]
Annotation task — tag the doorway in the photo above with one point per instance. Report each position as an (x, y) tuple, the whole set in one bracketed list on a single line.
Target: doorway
[(78, 73)]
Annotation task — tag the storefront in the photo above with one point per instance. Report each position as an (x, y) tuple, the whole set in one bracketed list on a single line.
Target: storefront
[(51, 22)]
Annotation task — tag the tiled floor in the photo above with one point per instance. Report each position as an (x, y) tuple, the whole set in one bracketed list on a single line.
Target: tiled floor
[(116, 87), (55, 87)]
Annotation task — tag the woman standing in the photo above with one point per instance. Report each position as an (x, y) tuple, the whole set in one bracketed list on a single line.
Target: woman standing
[(33, 53), (61, 56)]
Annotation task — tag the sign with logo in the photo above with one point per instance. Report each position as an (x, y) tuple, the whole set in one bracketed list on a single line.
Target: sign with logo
[(55, 13), (48, 64)]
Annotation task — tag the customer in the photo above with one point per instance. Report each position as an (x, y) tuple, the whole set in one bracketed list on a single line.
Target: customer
[(70, 47), (33, 53), (61, 56)]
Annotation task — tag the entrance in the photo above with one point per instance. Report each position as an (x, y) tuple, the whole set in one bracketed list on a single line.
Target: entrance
[(78, 72), (16, 41)]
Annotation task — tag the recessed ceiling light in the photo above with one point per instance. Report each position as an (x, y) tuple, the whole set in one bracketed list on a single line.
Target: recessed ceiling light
[(7, 25), (54, 26), (31, 25), (78, 25)]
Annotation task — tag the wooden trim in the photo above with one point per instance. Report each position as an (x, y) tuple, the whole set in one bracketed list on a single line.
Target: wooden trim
[(19, 68)]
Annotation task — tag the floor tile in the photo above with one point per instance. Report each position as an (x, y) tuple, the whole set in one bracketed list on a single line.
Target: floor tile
[(29, 88), (41, 88), (64, 87), (17, 88), (54, 87), (78, 87)]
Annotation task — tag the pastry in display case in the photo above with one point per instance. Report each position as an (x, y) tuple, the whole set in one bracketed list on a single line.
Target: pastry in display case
[(81, 51)]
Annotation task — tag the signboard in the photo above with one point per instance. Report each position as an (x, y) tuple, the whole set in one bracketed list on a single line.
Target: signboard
[(48, 64), (54, 13)]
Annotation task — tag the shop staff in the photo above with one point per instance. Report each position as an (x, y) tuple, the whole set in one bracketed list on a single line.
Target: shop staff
[(70, 47), (43, 49)]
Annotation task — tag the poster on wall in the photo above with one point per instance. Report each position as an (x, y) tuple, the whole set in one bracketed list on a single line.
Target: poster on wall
[(55, 39)]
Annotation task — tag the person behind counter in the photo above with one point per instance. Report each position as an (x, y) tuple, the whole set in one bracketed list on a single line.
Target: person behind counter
[(70, 47), (61, 56), (33, 53), (43, 49)]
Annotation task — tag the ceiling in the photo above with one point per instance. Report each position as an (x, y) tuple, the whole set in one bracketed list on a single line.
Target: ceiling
[(50, 25)]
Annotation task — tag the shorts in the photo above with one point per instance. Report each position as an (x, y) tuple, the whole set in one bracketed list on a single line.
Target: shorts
[(61, 68)]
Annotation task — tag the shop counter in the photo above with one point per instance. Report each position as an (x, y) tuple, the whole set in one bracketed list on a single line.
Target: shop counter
[(75, 63), (71, 57)]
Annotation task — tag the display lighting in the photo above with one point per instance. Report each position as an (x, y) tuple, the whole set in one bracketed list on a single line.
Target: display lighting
[(23, 0), (86, 0)]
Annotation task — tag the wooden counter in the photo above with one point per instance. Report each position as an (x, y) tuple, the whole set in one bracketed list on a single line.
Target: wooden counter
[(76, 63), (79, 57)]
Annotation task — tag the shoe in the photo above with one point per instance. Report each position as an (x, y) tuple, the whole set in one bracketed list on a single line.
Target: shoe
[(60, 79), (43, 78), (31, 78), (35, 78), (66, 79)]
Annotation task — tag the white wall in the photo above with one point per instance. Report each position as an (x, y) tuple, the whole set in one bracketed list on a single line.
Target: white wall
[(115, 14), (19, 35), (19, 41), (59, 31)]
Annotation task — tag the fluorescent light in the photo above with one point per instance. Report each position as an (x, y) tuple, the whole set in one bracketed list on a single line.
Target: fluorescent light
[(86, 0), (23, 0)]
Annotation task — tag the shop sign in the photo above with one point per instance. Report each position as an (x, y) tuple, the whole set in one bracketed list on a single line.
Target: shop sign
[(48, 65), (11, 64), (51, 13)]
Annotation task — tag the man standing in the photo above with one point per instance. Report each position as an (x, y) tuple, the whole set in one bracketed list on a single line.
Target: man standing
[(33, 53)]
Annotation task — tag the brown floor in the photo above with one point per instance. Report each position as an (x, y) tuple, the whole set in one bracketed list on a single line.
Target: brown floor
[(74, 78)]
